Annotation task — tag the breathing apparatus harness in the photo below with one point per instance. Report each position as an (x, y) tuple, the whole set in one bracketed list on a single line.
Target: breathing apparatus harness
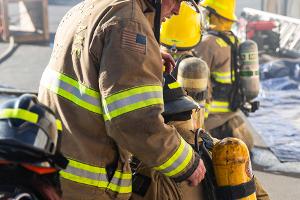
[(209, 182), (157, 6), (236, 96), (211, 188)]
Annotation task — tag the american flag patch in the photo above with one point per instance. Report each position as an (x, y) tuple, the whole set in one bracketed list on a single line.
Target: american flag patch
[(134, 41)]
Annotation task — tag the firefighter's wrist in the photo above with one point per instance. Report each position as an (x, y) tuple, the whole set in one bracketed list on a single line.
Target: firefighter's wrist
[(190, 170)]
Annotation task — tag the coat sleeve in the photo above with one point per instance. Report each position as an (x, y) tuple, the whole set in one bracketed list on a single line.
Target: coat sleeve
[(130, 82)]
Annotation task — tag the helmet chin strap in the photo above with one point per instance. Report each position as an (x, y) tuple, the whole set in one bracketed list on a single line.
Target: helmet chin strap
[(157, 22)]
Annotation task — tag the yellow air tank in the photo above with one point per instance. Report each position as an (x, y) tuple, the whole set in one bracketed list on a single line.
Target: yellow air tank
[(233, 171)]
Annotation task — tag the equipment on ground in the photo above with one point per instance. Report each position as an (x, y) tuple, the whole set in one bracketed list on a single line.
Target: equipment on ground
[(25, 20), (273, 33), (233, 170), (29, 150), (262, 32)]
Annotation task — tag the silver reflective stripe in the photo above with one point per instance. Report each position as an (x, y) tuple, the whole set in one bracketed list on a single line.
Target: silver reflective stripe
[(72, 90), (219, 106), (133, 99), (121, 182), (97, 176), (86, 174), (178, 161)]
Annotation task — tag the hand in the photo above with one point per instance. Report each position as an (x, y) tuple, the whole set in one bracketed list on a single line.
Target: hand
[(198, 174), (168, 62)]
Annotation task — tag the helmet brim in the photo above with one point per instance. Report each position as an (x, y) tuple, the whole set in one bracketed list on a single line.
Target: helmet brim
[(180, 105)]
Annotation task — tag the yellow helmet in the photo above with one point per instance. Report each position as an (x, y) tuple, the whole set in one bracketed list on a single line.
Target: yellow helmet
[(223, 8), (182, 31)]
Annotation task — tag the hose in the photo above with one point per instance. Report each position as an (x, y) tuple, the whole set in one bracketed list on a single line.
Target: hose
[(13, 91), (9, 51)]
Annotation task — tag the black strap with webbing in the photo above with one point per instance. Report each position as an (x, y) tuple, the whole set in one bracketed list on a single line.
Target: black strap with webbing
[(236, 192), (209, 182)]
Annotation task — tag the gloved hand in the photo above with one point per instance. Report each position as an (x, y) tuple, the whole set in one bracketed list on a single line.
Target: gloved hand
[(198, 174), (168, 62)]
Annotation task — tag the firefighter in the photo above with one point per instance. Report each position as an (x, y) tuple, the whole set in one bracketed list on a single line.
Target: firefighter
[(29, 150), (149, 184), (178, 112), (191, 72), (217, 49), (104, 80)]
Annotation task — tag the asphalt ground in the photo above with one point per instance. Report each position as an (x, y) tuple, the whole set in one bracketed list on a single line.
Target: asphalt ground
[(24, 68)]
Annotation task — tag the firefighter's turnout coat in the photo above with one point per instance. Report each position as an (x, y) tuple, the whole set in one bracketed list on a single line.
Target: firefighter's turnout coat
[(222, 121), (104, 80)]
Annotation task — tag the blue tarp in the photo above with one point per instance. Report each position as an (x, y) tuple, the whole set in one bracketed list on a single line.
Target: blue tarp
[(278, 119)]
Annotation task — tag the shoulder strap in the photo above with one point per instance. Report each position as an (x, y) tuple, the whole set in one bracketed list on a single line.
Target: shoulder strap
[(178, 61), (224, 37)]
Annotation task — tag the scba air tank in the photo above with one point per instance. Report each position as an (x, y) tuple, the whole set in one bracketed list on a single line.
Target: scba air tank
[(193, 74), (233, 170), (249, 69)]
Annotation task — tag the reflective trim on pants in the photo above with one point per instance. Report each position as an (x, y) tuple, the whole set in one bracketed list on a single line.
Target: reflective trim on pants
[(97, 176)]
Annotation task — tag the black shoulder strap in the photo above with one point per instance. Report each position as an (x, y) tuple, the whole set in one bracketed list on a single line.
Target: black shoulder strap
[(224, 37), (236, 192), (178, 61)]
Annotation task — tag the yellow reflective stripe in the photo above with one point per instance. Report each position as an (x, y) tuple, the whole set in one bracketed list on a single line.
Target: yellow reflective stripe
[(219, 106), (120, 189), (223, 77), (82, 88), (174, 85), (173, 158), (207, 110), (75, 99), (72, 90), (130, 100), (206, 115), (119, 175), (183, 165), (132, 107), (178, 161), (97, 176), (83, 180), (58, 125), (19, 114), (86, 167), (131, 92), (221, 42), (121, 182)]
